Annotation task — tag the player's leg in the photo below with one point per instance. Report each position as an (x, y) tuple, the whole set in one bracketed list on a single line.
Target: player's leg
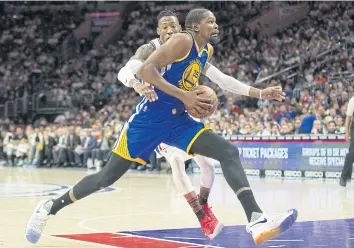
[(114, 169), (184, 184), (194, 137), (176, 159), (348, 163), (228, 156), (260, 226), (207, 175), (133, 145)]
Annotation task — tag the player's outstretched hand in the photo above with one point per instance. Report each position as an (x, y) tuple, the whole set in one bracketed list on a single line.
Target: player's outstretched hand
[(273, 93), (192, 100), (146, 90)]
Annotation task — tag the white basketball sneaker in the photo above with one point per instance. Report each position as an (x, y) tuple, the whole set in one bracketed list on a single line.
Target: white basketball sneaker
[(266, 227), (38, 221)]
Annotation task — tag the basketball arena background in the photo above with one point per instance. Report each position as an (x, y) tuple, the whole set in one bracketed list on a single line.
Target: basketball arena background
[(58, 81)]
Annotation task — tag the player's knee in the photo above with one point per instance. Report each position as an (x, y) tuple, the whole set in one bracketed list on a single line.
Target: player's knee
[(207, 164), (105, 179), (231, 152), (177, 166), (351, 155), (211, 168), (210, 163)]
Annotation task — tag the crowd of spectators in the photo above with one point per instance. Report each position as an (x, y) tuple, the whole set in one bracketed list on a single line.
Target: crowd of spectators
[(55, 145), (100, 104)]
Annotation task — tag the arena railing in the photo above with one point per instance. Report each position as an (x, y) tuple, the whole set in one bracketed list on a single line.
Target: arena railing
[(31, 105), (321, 57), (338, 76), (291, 156), (10, 7)]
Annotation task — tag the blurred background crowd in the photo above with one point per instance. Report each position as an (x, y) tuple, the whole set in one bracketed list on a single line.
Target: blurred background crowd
[(41, 55)]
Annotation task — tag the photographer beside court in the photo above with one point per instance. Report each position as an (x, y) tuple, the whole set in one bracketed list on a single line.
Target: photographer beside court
[(349, 136)]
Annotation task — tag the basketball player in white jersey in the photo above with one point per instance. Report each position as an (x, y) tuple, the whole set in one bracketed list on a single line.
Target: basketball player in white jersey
[(167, 26)]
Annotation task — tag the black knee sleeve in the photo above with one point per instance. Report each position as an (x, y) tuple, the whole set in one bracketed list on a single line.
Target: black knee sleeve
[(105, 179), (230, 153), (115, 168), (212, 145)]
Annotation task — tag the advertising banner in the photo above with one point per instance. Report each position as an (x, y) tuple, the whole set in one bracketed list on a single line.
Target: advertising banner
[(324, 155)]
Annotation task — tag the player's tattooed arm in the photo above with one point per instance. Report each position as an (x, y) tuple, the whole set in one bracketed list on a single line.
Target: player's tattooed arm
[(143, 52), (127, 74), (175, 48)]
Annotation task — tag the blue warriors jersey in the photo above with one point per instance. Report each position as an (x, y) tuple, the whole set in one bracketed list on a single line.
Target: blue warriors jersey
[(184, 73), (165, 120)]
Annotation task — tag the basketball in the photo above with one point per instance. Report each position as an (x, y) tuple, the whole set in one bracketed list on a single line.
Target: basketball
[(210, 94)]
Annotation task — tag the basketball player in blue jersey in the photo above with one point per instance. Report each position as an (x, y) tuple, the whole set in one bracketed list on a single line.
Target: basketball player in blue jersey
[(184, 56), (180, 60), (168, 25)]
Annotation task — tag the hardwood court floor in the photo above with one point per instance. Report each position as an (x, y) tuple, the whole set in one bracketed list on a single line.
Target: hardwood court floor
[(145, 210)]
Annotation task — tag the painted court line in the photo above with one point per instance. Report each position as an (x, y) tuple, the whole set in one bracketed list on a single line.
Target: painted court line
[(84, 241), (130, 241), (286, 240), (83, 224), (197, 245), (184, 238)]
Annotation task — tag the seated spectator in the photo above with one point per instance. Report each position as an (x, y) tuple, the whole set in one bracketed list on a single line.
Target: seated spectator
[(49, 144), (73, 142), (282, 113), (88, 143), (275, 129), (317, 127)]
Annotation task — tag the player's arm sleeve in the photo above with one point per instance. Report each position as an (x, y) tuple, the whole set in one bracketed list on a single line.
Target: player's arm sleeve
[(127, 74), (226, 82), (350, 107)]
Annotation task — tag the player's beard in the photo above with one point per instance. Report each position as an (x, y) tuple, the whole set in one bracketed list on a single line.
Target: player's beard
[(214, 40)]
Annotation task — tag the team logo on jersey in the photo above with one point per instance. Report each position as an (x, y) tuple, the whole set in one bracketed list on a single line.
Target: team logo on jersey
[(190, 76)]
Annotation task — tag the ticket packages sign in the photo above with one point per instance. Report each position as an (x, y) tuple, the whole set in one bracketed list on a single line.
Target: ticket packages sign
[(293, 155)]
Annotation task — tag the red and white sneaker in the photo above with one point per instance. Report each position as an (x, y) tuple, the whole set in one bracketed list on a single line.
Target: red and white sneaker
[(211, 227), (207, 211)]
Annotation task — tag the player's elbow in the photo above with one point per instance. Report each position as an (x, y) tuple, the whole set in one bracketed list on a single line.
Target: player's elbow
[(140, 73), (216, 76), (125, 75), (221, 80), (143, 71), (120, 75)]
